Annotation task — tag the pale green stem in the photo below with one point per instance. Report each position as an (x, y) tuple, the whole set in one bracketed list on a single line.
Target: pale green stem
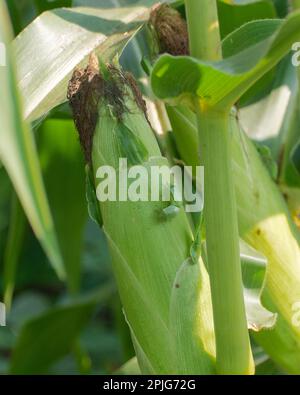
[(204, 33), (232, 338)]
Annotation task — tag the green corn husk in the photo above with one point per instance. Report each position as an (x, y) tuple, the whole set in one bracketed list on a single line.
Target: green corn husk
[(265, 223), (170, 320)]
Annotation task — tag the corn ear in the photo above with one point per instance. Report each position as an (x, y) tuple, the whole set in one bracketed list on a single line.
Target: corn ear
[(147, 248), (194, 282)]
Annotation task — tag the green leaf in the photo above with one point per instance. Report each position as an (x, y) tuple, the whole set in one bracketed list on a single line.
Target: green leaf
[(233, 15), (249, 52), (254, 266), (91, 197), (63, 170), (13, 249), (57, 41), (143, 361), (18, 154), (50, 336)]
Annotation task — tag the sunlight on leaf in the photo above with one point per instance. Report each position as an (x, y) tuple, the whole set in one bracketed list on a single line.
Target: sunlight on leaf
[(56, 42)]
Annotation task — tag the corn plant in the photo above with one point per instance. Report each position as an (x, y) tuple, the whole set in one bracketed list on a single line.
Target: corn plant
[(169, 84)]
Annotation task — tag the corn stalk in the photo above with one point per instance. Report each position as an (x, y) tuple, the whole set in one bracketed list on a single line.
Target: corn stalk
[(233, 351)]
